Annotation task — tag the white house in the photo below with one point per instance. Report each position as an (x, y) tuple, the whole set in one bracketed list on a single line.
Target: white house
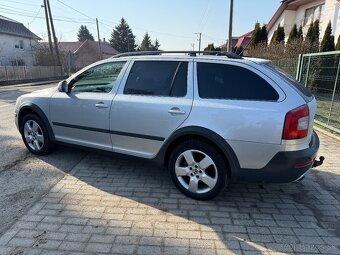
[(303, 12), (17, 43)]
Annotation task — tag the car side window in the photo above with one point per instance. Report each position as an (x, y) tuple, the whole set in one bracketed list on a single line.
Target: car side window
[(98, 79), (157, 78), (223, 81)]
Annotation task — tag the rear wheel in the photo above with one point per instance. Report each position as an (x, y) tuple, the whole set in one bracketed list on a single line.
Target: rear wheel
[(198, 170), (35, 135)]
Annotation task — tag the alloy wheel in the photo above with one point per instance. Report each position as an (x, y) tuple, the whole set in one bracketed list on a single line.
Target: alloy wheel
[(33, 135), (196, 171)]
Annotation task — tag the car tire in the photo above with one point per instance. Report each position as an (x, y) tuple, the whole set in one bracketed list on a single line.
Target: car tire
[(35, 135), (198, 170)]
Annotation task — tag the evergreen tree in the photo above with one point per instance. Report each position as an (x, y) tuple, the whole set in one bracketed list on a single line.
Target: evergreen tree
[(278, 36), (293, 35), (312, 37), (210, 47), (263, 35), (337, 47), (146, 44), (300, 33), (327, 43), (122, 38), (309, 35), (316, 31), (256, 36), (313, 33), (156, 45), (84, 34)]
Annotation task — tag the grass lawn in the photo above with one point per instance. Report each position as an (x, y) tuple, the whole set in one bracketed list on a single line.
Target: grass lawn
[(323, 106)]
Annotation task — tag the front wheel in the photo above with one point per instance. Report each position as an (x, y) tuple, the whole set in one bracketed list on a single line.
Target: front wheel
[(35, 135), (198, 170)]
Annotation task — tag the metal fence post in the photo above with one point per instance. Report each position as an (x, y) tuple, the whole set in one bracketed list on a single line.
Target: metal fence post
[(307, 74), (6, 73), (297, 76), (333, 95)]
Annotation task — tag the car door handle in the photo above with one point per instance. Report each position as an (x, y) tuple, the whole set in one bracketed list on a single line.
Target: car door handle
[(101, 105), (176, 111)]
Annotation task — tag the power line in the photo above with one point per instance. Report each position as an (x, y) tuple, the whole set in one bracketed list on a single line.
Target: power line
[(30, 15), (147, 30), (137, 28), (213, 38), (35, 17), (205, 14), (75, 10), (30, 12), (23, 3), (108, 25)]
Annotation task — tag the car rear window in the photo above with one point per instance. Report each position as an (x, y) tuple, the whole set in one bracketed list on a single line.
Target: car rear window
[(303, 91), (223, 81)]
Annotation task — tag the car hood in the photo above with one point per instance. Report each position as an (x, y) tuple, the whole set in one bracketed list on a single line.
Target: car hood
[(44, 92), (34, 96)]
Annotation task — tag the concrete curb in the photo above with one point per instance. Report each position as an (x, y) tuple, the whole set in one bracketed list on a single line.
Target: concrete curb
[(329, 134)]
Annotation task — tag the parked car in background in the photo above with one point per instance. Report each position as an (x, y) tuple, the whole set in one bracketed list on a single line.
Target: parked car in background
[(209, 120)]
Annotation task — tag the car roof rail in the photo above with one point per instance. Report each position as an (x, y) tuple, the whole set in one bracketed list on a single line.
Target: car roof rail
[(190, 53)]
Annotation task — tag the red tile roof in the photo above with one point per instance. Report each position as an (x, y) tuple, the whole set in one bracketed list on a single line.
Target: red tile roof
[(70, 46)]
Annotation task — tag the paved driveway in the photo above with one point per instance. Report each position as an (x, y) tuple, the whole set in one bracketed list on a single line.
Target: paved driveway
[(110, 204)]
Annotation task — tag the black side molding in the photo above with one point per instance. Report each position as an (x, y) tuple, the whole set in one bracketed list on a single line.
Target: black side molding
[(149, 137)]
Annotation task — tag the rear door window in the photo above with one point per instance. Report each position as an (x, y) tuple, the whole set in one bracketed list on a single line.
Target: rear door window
[(157, 78), (223, 81)]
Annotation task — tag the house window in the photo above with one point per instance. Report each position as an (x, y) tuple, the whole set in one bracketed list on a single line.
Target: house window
[(314, 13), (19, 45)]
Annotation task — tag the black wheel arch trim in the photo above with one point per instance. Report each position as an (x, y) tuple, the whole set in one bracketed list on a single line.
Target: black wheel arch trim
[(40, 113), (208, 134)]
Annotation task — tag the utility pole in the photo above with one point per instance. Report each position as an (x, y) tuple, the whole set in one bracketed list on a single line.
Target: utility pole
[(53, 33), (199, 40), (193, 46), (48, 30), (100, 47), (230, 40)]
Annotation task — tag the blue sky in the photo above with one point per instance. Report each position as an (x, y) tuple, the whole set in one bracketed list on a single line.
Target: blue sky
[(173, 22)]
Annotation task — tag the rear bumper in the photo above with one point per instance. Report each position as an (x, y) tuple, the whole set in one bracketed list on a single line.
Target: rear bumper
[(287, 166)]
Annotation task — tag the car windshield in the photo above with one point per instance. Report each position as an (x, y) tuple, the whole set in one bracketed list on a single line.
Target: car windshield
[(305, 92)]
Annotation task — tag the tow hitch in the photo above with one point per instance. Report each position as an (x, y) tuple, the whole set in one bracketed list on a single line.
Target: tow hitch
[(318, 162)]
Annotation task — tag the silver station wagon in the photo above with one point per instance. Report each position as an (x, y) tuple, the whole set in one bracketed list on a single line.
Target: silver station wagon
[(210, 119)]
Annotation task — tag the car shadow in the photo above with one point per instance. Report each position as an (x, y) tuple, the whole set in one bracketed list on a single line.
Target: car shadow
[(135, 203)]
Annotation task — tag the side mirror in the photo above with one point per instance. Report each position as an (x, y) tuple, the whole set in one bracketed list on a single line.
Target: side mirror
[(63, 86)]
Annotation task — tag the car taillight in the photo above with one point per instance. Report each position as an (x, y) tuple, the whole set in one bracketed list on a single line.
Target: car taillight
[(296, 123)]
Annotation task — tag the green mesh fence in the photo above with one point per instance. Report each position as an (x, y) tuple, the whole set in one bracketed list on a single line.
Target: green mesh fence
[(287, 64), (320, 72)]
